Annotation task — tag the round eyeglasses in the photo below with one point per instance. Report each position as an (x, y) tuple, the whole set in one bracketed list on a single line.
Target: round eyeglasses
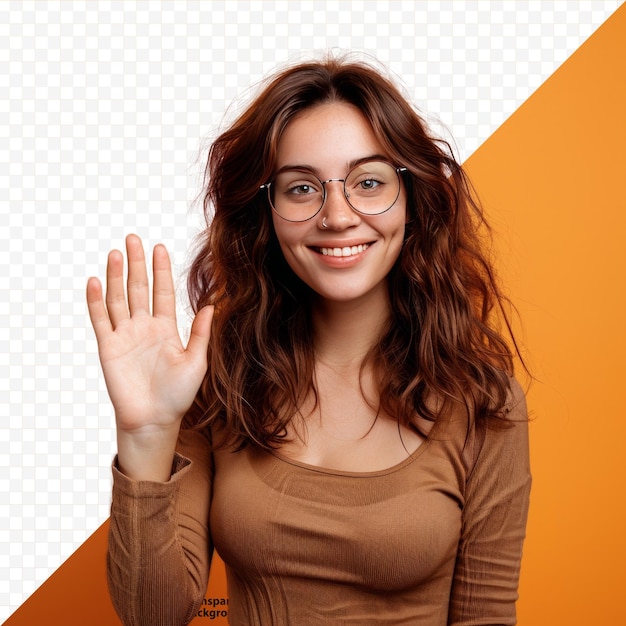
[(371, 188)]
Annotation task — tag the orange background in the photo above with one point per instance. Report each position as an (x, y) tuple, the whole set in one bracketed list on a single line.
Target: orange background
[(553, 181)]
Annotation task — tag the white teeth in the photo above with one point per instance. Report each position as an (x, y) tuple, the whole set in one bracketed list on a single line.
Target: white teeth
[(347, 251)]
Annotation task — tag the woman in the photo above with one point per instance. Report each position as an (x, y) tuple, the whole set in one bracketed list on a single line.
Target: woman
[(351, 439)]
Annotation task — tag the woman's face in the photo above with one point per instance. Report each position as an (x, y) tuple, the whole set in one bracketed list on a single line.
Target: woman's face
[(326, 140)]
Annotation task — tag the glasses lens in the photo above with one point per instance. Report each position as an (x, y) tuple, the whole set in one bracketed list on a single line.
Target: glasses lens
[(296, 195), (372, 187)]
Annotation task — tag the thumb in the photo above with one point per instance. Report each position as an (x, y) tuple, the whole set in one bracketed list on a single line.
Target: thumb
[(201, 332)]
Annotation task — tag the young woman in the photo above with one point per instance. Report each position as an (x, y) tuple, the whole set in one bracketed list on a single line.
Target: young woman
[(343, 425)]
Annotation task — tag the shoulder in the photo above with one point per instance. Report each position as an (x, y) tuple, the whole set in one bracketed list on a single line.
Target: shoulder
[(502, 442), (515, 408), (510, 427), (490, 440)]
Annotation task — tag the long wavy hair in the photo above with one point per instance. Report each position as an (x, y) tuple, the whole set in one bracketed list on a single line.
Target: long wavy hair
[(444, 336)]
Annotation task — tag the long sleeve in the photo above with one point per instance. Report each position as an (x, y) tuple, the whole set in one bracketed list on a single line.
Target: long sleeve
[(159, 542), (484, 588)]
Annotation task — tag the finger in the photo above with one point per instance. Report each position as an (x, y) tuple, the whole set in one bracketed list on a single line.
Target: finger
[(137, 284), (198, 343), (115, 296), (97, 311), (164, 296)]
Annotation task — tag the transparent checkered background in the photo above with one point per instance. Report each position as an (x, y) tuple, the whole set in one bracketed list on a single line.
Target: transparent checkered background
[(106, 111)]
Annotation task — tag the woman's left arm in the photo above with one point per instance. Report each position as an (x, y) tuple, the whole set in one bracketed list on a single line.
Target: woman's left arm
[(484, 588)]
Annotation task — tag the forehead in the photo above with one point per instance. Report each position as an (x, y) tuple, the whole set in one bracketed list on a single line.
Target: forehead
[(327, 137)]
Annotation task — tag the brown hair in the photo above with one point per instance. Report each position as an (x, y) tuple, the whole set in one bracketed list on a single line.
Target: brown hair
[(440, 340)]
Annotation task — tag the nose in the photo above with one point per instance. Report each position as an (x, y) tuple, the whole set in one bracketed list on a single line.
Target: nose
[(336, 214)]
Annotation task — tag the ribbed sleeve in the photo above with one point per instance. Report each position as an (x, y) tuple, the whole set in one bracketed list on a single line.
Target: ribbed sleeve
[(484, 587), (159, 541)]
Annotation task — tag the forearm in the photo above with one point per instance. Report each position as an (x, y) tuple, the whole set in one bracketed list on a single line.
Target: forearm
[(153, 577), (159, 541)]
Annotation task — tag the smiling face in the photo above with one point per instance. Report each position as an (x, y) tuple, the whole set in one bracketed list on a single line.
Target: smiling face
[(344, 256)]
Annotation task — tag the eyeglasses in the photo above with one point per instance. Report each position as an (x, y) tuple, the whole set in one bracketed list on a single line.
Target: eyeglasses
[(371, 188)]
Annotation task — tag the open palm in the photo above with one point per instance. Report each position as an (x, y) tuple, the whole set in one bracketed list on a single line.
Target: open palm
[(151, 377)]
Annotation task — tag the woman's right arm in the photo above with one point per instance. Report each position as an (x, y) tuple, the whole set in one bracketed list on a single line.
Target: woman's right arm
[(159, 544)]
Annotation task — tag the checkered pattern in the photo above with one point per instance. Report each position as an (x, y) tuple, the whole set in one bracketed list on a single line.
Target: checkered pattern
[(106, 112)]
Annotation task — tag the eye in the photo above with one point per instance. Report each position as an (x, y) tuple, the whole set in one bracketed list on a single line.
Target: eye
[(296, 185), (301, 189), (369, 183)]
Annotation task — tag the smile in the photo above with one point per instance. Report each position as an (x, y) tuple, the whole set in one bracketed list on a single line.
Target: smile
[(346, 251)]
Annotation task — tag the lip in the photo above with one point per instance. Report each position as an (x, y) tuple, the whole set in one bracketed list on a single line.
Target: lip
[(340, 243), (341, 253)]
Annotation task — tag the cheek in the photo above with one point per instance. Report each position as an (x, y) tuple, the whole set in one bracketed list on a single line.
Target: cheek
[(282, 233), (289, 236), (399, 244), (397, 228), (398, 233)]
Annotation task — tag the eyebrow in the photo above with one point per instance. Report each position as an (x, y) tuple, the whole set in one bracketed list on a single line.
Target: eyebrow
[(350, 165)]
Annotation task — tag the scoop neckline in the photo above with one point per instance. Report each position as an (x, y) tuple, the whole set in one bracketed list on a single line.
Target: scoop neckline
[(349, 474)]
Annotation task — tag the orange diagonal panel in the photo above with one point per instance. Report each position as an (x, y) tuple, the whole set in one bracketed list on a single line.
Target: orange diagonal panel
[(553, 180), (76, 594)]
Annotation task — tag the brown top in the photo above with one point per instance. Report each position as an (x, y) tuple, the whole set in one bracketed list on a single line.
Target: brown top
[(435, 540)]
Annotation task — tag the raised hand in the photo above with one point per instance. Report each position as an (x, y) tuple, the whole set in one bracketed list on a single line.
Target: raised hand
[(151, 377)]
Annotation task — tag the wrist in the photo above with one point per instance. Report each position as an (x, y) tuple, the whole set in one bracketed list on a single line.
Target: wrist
[(147, 453)]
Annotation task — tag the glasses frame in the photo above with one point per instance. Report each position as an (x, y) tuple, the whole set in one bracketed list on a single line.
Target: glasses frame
[(398, 169)]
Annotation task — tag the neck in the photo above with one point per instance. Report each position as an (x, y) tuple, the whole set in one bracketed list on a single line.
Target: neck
[(346, 331)]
